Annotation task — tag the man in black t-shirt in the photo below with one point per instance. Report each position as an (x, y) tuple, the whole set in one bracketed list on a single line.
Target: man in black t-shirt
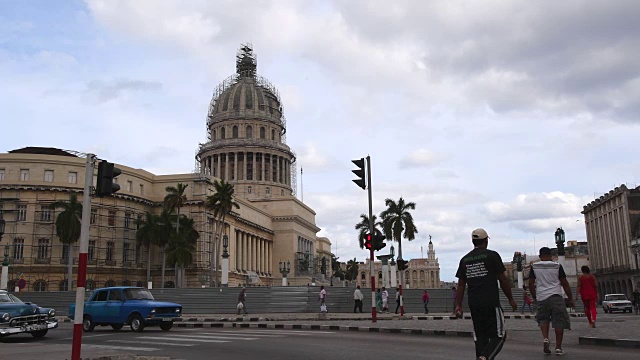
[(480, 270)]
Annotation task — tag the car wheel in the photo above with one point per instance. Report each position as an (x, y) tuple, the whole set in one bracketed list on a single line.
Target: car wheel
[(166, 326), (137, 323), (117, 327), (87, 324), (39, 333)]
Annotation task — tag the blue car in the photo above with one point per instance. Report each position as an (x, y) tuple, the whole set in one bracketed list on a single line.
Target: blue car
[(18, 317), (126, 305)]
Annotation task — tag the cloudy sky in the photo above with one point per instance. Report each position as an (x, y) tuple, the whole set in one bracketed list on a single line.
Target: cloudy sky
[(507, 115)]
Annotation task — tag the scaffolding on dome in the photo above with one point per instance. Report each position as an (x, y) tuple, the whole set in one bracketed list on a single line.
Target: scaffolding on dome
[(294, 177)]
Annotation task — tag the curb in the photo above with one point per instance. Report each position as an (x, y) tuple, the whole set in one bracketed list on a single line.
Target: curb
[(328, 327), (626, 343)]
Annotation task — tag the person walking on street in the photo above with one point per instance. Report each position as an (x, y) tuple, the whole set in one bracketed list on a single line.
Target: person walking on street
[(480, 270), (323, 298), (526, 300), (397, 299), (547, 280), (425, 301), (378, 300), (588, 291), (385, 300), (242, 297), (357, 297)]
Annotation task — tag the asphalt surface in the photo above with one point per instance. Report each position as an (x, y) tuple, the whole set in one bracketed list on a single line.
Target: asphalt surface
[(278, 344)]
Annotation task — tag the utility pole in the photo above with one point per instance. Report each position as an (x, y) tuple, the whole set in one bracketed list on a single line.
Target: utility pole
[(371, 268)]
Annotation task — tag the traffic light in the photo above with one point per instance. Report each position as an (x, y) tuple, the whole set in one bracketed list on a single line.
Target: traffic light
[(368, 244), (378, 242), (360, 173), (105, 185), (402, 264)]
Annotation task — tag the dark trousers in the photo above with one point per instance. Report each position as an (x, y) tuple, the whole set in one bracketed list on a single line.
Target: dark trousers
[(358, 305), (397, 305), (426, 307), (488, 330)]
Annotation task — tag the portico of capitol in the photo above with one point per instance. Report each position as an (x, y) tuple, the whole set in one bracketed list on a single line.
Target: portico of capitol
[(246, 146)]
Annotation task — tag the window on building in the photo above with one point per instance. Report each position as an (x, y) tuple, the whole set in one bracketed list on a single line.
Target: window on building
[(126, 248), (91, 285), (273, 134), (2, 171), (40, 285), (214, 135), (24, 174), (91, 251), (262, 133), (249, 134), (141, 189), (234, 132), (127, 220), (139, 221), (48, 176), (43, 248), (129, 185), (45, 213), (18, 249), (22, 212), (249, 189), (222, 133), (112, 218), (94, 216), (73, 177), (111, 250), (267, 190)]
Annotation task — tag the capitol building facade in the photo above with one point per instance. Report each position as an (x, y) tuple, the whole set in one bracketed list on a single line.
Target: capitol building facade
[(246, 146)]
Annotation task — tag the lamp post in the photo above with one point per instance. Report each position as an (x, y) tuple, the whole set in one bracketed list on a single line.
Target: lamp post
[(559, 234), (392, 264), (517, 258), (5, 263), (284, 268), (225, 261)]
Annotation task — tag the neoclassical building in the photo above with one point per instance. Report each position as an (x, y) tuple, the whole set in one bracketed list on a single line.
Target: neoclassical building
[(613, 235), (246, 147)]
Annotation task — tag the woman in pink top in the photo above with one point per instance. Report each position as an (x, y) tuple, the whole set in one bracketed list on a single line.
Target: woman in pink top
[(587, 288)]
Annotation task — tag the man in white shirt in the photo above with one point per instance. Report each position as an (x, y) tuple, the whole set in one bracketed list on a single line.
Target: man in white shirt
[(357, 297), (547, 280), (385, 300), (323, 297)]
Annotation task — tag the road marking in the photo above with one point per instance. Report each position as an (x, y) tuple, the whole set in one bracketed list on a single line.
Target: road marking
[(91, 336), (115, 347), (252, 334), (287, 332), (194, 340), (211, 336), (147, 342)]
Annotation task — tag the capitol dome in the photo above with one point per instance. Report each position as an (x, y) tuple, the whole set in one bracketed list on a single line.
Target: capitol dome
[(246, 134)]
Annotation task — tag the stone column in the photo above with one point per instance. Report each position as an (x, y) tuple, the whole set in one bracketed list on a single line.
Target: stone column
[(394, 280)]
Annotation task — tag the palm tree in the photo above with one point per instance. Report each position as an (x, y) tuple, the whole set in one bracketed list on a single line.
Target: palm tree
[(221, 202), (165, 229), (146, 235), (352, 270), (174, 200), (68, 228), (181, 247), (363, 227), (397, 223)]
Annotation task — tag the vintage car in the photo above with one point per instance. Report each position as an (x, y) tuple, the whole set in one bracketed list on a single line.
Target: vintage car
[(18, 317), (133, 306), (613, 302)]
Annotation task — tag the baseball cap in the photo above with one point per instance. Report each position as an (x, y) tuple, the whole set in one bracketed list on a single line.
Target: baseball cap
[(545, 251), (479, 233)]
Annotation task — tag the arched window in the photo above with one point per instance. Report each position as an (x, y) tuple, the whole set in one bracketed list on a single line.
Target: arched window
[(380, 275), (273, 134), (40, 285), (126, 283), (281, 192), (139, 283), (214, 135), (11, 285), (262, 133), (234, 132), (363, 276), (222, 133), (109, 283), (249, 134), (91, 285), (63, 285), (169, 284)]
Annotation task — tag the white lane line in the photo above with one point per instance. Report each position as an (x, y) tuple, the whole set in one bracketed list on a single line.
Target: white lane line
[(147, 342), (193, 340), (287, 332), (91, 336), (252, 334), (115, 347), (210, 336)]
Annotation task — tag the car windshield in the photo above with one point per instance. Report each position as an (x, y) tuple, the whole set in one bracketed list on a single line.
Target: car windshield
[(8, 298), (616, 297), (138, 294)]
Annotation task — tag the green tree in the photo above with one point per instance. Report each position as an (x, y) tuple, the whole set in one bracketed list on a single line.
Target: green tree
[(148, 232), (221, 203), (181, 247), (397, 223), (352, 270), (68, 224), (174, 200), (165, 223), (363, 227)]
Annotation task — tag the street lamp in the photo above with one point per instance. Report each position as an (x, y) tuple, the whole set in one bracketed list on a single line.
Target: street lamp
[(225, 261), (559, 234), (393, 251), (285, 269), (392, 263)]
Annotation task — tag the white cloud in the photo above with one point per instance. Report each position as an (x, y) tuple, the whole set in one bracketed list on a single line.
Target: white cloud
[(419, 158)]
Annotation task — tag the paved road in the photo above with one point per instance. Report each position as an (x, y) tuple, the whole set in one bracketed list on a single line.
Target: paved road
[(278, 344)]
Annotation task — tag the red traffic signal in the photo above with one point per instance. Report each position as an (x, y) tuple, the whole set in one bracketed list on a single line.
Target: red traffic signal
[(368, 244)]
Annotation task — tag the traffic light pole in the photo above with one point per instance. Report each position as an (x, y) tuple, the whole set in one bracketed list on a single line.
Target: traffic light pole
[(371, 269), (76, 346)]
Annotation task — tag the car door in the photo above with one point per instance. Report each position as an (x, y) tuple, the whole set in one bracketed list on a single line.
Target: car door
[(113, 306), (96, 307)]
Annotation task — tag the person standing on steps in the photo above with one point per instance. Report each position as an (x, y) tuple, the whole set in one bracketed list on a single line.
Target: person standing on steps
[(480, 270), (385, 300), (323, 298), (526, 300), (397, 299), (547, 280), (357, 297), (378, 300), (242, 297), (425, 301), (588, 291)]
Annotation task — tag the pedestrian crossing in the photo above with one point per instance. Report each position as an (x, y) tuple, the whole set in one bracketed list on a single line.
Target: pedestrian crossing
[(149, 342)]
